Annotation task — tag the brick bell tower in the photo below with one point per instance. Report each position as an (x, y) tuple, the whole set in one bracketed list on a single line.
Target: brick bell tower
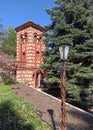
[(29, 53)]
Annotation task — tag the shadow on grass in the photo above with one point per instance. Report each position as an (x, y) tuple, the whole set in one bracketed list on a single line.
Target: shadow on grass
[(10, 119)]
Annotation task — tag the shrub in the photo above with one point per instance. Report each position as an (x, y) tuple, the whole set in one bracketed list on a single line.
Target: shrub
[(8, 80)]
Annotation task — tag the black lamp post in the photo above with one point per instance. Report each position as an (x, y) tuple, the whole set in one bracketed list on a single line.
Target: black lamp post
[(64, 50)]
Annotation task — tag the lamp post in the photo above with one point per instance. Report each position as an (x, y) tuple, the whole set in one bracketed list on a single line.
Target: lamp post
[(64, 50)]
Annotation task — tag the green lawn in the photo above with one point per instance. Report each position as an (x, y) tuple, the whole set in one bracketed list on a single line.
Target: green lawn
[(17, 114)]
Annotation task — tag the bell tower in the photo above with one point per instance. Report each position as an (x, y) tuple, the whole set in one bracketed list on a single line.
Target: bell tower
[(29, 49)]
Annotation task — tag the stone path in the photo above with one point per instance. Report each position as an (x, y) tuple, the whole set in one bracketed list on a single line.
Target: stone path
[(48, 108)]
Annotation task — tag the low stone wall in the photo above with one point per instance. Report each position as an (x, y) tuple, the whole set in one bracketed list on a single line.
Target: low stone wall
[(80, 119), (76, 118), (48, 108)]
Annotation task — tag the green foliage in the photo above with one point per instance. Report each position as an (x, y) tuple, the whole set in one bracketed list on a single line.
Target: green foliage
[(1, 33), (9, 41), (72, 24), (17, 114), (7, 79)]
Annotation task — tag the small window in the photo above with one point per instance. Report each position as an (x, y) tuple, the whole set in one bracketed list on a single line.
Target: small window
[(37, 55), (23, 53), (37, 52)]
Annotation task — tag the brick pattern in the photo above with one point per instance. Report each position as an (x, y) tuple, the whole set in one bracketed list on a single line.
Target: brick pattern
[(29, 54)]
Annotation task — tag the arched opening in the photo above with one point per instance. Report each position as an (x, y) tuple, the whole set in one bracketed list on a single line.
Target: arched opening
[(37, 38), (38, 78)]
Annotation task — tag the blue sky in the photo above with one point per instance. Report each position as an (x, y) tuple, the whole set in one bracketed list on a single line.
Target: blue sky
[(16, 12)]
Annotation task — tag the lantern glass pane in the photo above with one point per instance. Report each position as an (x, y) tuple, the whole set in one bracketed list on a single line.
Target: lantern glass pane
[(64, 50), (61, 52)]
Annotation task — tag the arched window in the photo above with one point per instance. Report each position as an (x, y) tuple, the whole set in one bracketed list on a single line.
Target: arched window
[(24, 38), (23, 56), (37, 38), (37, 54)]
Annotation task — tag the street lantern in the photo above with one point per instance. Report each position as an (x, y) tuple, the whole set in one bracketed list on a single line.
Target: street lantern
[(64, 50)]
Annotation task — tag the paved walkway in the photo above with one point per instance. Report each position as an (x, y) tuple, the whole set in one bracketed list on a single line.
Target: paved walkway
[(48, 109)]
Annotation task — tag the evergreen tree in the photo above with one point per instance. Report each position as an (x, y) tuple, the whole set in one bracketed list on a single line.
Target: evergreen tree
[(72, 24)]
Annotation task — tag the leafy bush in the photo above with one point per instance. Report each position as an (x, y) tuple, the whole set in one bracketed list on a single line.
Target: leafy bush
[(8, 80)]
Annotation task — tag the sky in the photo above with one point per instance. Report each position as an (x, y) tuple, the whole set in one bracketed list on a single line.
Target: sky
[(17, 12)]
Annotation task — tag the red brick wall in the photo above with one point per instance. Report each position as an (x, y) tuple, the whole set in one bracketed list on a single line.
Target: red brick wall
[(29, 55)]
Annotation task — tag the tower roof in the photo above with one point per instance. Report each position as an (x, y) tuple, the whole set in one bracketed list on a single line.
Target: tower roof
[(29, 24)]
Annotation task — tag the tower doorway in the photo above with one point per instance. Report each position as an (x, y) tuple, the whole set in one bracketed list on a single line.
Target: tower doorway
[(37, 80)]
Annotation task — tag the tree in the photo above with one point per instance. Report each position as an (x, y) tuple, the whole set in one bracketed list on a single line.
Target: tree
[(9, 42), (71, 25), (7, 51), (1, 33)]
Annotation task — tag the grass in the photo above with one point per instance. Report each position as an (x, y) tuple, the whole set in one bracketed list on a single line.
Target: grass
[(17, 114)]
